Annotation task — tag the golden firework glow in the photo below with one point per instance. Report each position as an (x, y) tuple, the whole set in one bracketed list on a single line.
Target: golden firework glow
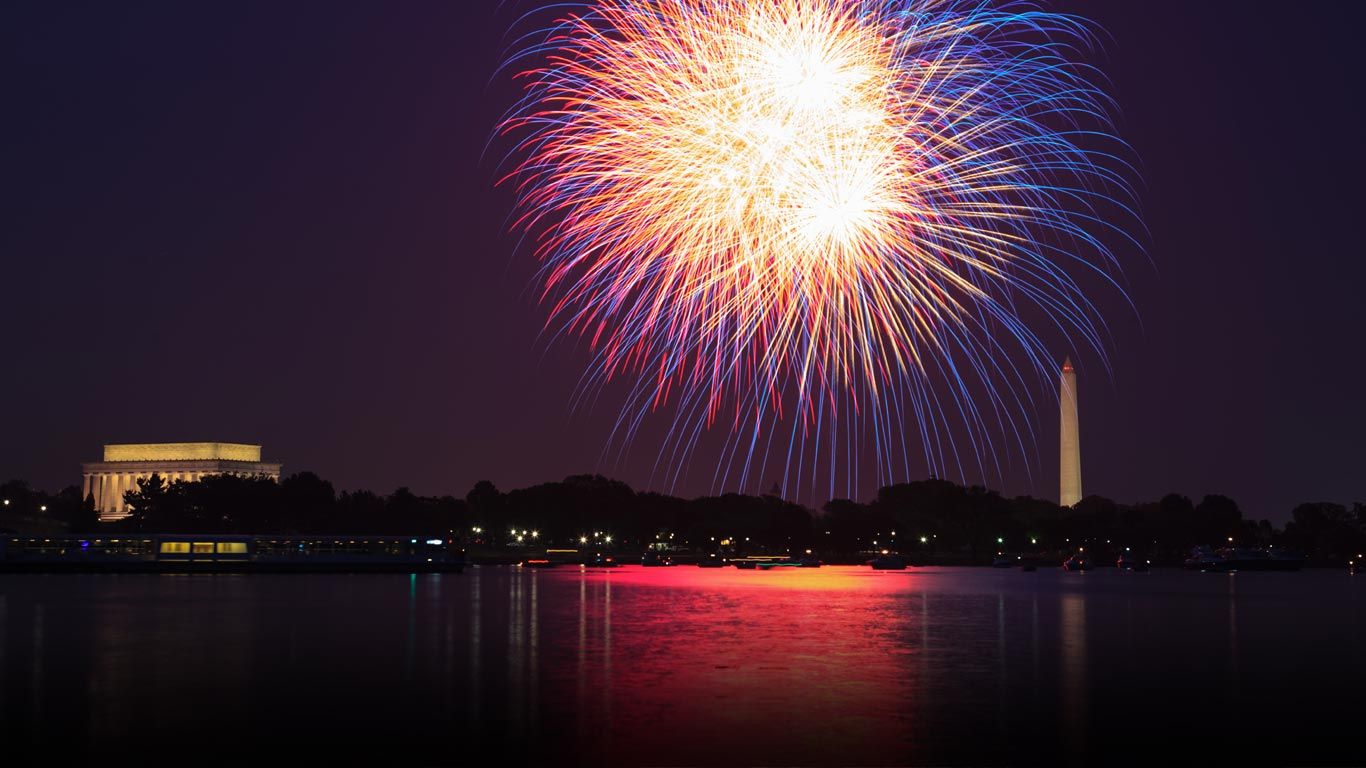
[(807, 203)]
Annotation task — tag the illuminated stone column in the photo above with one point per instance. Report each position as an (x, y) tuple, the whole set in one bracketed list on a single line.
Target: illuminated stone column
[(109, 504), (1069, 439)]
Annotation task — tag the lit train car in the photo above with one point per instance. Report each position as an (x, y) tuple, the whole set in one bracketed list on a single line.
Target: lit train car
[(182, 553)]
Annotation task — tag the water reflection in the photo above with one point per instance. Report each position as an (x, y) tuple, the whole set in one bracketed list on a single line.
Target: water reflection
[(1074, 678), (1233, 631), (681, 665)]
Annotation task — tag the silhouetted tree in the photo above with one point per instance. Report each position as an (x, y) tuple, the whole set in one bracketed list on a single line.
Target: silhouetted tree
[(1326, 532), (959, 523), (1216, 519), (150, 507), (77, 512), (308, 504), (486, 506)]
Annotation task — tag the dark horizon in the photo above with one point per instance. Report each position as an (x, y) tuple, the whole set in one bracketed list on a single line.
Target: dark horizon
[(278, 225)]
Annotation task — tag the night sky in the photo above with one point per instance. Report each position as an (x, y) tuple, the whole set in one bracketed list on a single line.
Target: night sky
[(276, 223)]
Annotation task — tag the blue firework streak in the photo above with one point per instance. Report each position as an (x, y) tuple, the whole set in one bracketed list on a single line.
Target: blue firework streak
[(819, 228)]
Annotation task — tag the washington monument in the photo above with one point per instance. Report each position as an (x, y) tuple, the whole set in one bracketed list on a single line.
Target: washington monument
[(1069, 467)]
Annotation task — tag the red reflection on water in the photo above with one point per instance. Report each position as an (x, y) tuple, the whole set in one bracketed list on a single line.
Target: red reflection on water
[(686, 666), (689, 665)]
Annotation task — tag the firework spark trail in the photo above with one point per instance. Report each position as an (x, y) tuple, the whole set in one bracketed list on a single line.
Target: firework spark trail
[(818, 220)]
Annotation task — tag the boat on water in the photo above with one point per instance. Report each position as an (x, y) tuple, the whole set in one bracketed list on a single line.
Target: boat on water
[(602, 561), (552, 558), (771, 564), (1004, 561), (1200, 558), (1128, 562), (200, 553), (756, 562), (805, 561), (888, 562), (1077, 563), (653, 559), (1357, 566), (712, 560), (1243, 559)]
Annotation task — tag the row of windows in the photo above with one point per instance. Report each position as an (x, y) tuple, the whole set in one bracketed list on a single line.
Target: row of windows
[(331, 547), (285, 547), (268, 547), (203, 547), (88, 546)]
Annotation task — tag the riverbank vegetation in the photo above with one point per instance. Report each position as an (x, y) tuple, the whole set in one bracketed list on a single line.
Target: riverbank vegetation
[(935, 520)]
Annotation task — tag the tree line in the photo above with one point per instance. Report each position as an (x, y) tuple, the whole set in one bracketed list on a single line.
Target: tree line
[(935, 519)]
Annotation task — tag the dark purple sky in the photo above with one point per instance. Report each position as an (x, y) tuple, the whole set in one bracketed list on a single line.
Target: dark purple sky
[(271, 222)]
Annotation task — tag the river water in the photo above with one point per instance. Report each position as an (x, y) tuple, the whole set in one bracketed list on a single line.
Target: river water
[(686, 666)]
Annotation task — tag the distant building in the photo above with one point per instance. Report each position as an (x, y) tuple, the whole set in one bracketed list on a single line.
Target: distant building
[(1069, 439), (124, 465)]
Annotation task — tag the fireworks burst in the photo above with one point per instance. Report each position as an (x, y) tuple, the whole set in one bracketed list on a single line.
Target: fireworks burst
[(820, 223)]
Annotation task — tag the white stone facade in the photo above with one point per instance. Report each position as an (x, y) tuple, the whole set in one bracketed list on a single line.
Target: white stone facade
[(107, 481)]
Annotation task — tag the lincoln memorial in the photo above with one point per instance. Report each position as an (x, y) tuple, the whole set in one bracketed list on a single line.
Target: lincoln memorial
[(124, 465)]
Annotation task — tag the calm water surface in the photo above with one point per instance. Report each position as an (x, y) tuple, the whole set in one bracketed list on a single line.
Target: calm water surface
[(681, 666)]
